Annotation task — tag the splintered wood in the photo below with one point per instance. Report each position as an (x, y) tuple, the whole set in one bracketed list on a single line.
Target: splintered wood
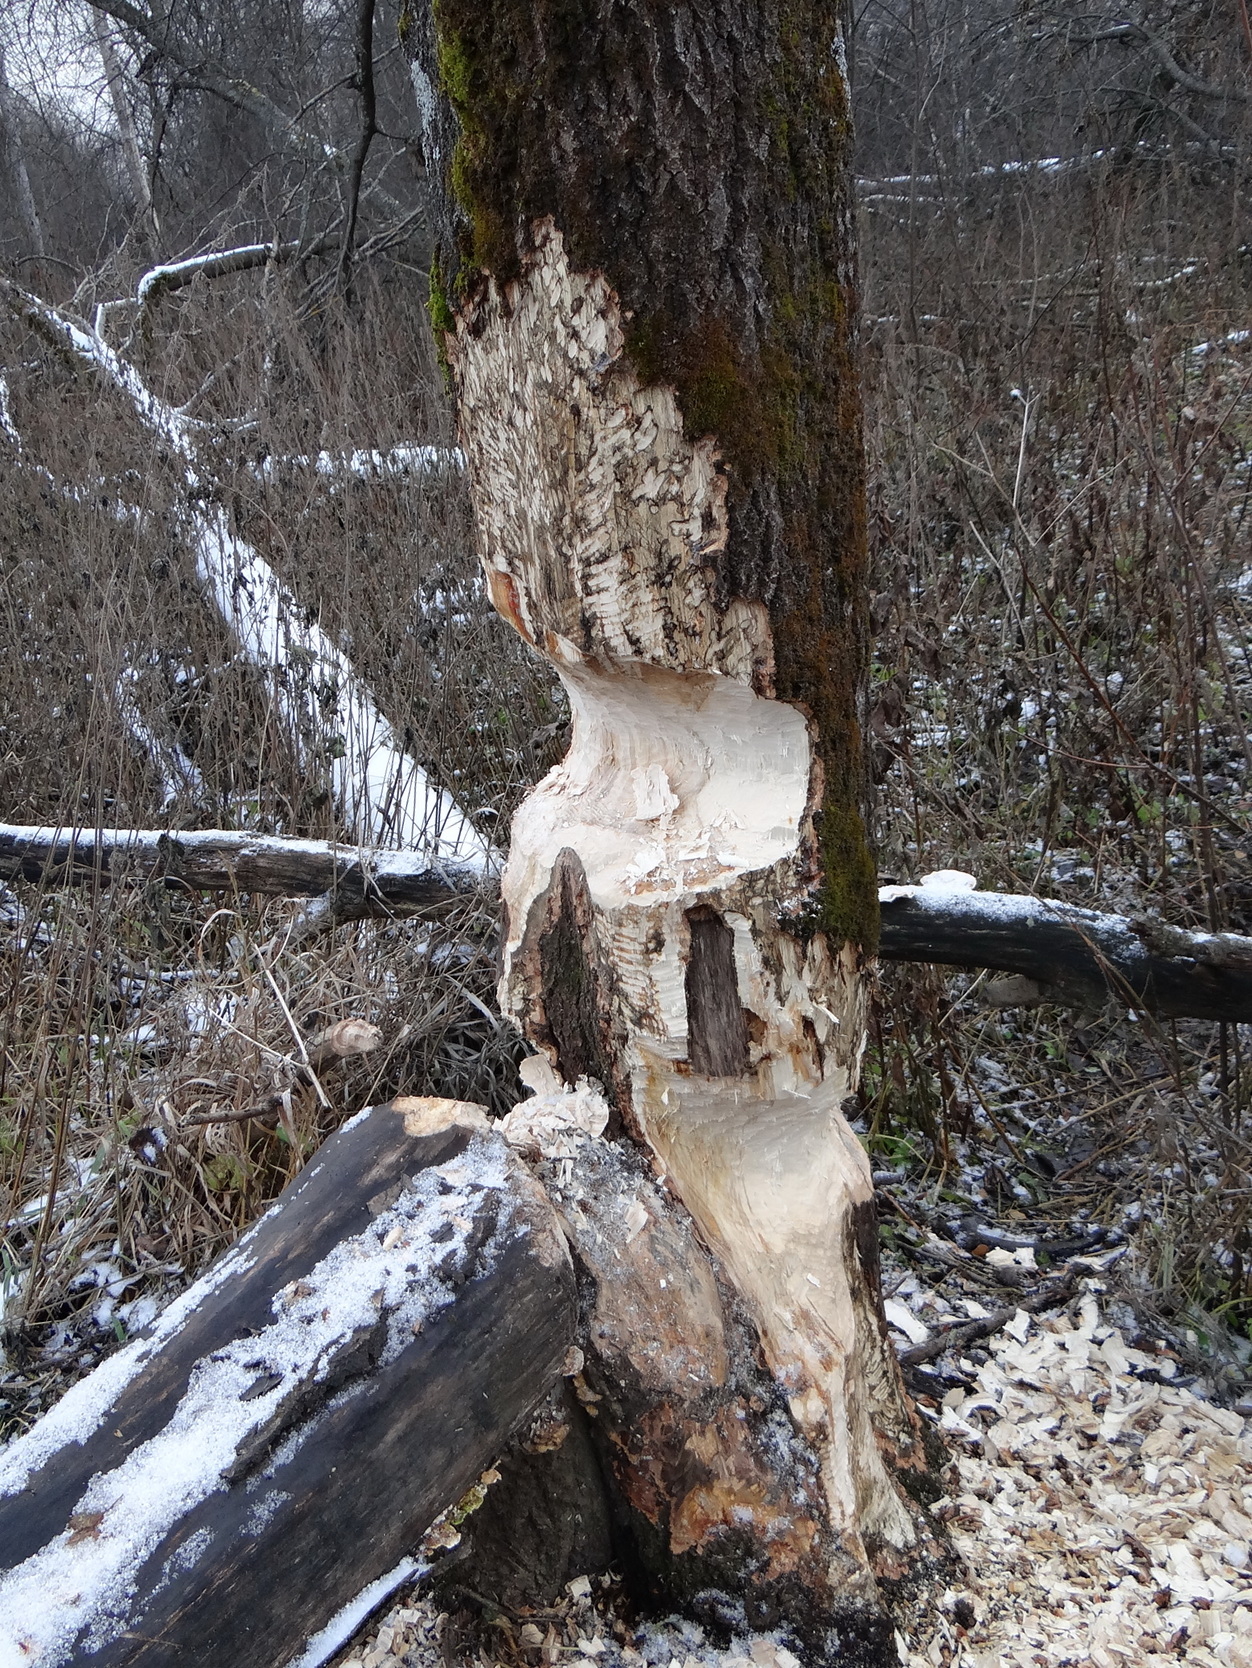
[(649, 881), (1104, 1519)]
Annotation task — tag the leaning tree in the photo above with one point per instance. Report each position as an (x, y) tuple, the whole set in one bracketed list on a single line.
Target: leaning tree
[(645, 287)]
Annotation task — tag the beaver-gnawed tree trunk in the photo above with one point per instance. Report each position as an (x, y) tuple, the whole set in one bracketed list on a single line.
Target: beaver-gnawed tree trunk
[(646, 291)]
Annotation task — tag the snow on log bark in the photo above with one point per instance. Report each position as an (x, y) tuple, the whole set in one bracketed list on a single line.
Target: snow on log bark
[(357, 881), (383, 795), (289, 1428), (1073, 956)]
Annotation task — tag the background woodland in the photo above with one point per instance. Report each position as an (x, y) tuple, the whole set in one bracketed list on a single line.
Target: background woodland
[(1057, 357)]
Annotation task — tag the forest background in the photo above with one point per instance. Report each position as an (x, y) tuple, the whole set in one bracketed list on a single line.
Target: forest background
[(1055, 269)]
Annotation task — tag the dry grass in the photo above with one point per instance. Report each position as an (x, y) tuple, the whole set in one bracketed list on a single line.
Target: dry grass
[(1060, 702), (132, 1013), (1063, 688)]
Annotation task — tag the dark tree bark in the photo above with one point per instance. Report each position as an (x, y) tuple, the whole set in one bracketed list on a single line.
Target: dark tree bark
[(646, 291), (1076, 957), (353, 881), (291, 1426)]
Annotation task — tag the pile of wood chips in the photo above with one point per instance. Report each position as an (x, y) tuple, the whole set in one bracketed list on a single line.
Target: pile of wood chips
[(1104, 1518)]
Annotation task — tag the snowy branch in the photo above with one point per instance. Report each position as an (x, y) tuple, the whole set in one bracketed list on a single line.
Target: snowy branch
[(175, 274), (383, 795), (1062, 953), (360, 880)]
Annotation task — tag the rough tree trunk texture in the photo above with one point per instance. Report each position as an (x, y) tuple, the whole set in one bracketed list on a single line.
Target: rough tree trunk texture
[(647, 294), (291, 1426), (115, 76), (12, 143)]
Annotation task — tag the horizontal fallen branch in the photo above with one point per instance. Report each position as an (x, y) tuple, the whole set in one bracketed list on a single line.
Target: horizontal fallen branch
[(1047, 1297), (356, 881), (1069, 955), (293, 1423), (1058, 952)]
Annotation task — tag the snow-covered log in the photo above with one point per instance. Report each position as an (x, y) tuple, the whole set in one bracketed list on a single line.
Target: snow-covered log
[(217, 263), (290, 1427), (1062, 953), (357, 881)]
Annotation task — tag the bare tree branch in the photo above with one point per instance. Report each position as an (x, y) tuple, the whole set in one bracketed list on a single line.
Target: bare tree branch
[(213, 78), (369, 128), (1160, 50)]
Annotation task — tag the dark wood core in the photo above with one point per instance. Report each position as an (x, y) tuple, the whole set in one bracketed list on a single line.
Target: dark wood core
[(717, 1031)]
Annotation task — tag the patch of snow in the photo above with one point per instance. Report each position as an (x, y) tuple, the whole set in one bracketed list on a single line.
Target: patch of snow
[(323, 1645), (7, 427)]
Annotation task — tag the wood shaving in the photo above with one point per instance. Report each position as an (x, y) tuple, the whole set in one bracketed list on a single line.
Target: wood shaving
[(1103, 1518)]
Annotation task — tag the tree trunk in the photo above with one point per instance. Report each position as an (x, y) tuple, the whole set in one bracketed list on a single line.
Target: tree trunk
[(14, 145), (136, 168), (646, 289)]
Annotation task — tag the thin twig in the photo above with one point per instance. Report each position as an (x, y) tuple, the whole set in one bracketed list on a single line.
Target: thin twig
[(956, 1337)]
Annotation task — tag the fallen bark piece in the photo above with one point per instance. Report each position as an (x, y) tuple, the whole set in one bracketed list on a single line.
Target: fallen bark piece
[(1076, 957), (328, 1050), (219, 1489), (1047, 1297)]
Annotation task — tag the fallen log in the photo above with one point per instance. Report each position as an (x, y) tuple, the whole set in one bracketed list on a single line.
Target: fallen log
[(1057, 952), (284, 1435), (356, 881), (1069, 955)]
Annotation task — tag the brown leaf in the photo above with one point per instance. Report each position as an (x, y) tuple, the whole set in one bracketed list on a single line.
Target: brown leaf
[(85, 1526)]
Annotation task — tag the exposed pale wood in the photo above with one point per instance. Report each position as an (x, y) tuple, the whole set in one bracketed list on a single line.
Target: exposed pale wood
[(742, 1387), (438, 1299)]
